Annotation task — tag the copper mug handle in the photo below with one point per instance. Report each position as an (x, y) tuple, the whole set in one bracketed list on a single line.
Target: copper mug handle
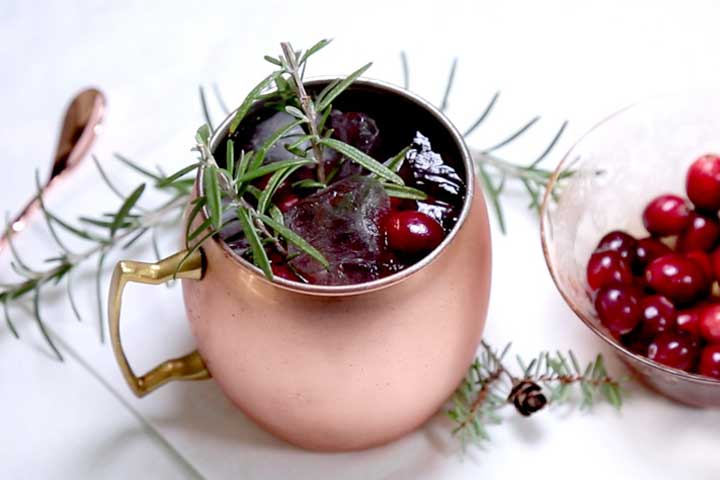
[(187, 367)]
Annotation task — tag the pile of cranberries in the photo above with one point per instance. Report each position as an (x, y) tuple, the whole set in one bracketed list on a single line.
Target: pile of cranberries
[(659, 295)]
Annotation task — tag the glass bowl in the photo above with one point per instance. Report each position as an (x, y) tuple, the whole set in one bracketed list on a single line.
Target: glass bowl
[(619, 165)]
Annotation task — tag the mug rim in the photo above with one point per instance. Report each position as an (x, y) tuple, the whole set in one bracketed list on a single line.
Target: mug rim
[(220, 134)]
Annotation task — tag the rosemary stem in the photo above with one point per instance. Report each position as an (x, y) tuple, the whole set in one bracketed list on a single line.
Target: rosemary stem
[(150, 219), (308, 108), (531, 174), (261, 226)]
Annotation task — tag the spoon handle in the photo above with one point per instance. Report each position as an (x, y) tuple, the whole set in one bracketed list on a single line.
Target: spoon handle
[(80, 126)]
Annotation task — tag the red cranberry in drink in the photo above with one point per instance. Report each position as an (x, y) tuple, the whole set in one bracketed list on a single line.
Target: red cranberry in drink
[(287, 201), (657, 315), (702, 234), (620, 242), (703, 182), (709, 323), (688, 320), (412, 232), (262, 182), (618, 307), (647, 250), (283, 271), (709, 364), (605, 268), (678, 278), (674, 349), (666, 215)]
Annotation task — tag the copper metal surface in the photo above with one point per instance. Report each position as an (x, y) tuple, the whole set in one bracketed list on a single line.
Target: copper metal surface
[(349, 367)]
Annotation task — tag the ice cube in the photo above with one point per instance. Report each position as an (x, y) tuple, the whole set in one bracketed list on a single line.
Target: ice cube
[(356, 129), (267, 128), (231, 231), (426, 170), (430, 173), (343, 223)]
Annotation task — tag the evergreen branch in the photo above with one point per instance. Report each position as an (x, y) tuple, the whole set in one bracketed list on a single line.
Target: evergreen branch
[(545, 379)]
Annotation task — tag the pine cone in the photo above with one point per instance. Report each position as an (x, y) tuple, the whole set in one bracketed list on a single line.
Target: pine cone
[(527, 397)]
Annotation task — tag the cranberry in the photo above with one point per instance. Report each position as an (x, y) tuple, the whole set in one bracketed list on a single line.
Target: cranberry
[(710, 361), (678, 278), (702, 234), (647, 250), (262, 182), (620, 242), (688, 320), (674, 349), (287, 202), (618, 307), (657, 315), (283, 271), (412, 232), (702, 260), (715, 261), (709, 323), (666, 215), (635, 342), (605, 268), (703, 182)]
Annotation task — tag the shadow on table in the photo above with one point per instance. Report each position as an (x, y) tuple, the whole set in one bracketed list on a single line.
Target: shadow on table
[(206, 427)]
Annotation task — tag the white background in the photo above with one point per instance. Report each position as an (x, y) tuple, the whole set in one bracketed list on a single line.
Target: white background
[(565, 60)]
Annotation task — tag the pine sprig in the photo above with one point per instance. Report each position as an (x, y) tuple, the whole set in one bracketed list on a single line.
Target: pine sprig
[(547, 379)]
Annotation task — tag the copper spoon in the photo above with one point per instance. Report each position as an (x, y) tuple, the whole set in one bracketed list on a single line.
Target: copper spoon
[(80, 126)]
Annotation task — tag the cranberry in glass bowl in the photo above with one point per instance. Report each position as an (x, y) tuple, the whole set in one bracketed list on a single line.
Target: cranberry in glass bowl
[(618, 168)]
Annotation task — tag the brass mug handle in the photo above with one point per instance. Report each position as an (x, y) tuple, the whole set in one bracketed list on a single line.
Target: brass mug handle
[(187, 367)]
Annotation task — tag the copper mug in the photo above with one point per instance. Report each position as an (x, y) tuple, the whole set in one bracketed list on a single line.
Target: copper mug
[(332, 367)]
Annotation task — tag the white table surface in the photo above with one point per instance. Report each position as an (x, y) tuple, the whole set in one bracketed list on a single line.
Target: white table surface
[(574, 60)]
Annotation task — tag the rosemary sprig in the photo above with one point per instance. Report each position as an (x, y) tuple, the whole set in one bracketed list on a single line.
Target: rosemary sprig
[(116, 229), (292, 67), (495, 171), (548, 378), (229, 188)]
